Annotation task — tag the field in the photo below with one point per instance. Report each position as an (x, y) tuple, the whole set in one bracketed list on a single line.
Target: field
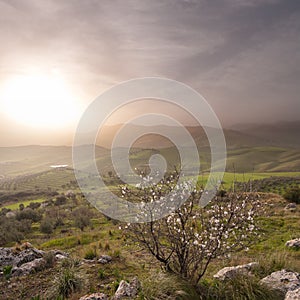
[(66, 221)]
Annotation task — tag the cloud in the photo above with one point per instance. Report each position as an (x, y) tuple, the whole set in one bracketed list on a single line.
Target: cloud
[(233, 52)]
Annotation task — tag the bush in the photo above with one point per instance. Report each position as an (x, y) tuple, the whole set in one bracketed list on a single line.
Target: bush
[(29, 214), (90, 254), (46, 226), (60, 200), (7, 270), (66, 283), (82, 217), (293, 194)]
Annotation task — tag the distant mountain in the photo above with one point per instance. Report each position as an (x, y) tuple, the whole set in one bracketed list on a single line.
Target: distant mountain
[(263, 148), (233, 138), (283, 134)]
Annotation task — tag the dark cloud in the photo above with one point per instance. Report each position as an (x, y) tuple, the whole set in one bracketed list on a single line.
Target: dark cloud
[(238, 54)]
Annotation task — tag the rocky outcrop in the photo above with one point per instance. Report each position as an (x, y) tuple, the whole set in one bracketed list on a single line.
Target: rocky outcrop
[(293, 244), (95, 296), (231, 272), (293, 295), (29, 267), (127, 289), (282, 281), (25, 259)]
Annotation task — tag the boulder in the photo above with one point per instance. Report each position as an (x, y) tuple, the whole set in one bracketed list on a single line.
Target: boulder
[(282, 281), (231, 272), (29, 267), (293, 295), (95, 296), (293, 244), (104, 259), (127, 289), (10, 256)]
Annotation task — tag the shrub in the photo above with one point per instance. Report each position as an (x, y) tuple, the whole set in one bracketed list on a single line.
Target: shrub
[(7, 270), (293, 194), (46, 226), (101, 274), (49, 258), (30, 214), (90, 254), (82, 217), (60, 200), (66, 283)]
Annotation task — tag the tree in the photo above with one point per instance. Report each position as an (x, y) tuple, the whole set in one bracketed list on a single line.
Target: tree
[(82, 217), (191, 237)]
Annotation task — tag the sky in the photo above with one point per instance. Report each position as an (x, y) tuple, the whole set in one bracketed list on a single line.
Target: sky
[(243, 56)]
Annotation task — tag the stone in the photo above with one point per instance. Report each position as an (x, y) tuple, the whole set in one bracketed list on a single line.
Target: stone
[(29, 267), (282, 281), (291, 206), (231, 272), (104, 259), (10, 256), (95, 296), (127, 289), (60, 257), (293, 295), (293, 243)]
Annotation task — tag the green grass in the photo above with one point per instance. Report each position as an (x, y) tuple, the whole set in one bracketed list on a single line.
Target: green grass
[(15, 206), (229, 177)]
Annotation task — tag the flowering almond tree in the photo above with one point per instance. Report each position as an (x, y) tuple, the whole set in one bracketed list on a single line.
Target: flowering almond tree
[(191, 237)]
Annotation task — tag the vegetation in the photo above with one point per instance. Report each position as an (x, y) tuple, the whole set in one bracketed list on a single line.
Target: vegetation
[(74, 226), (188, 240), (293, 194)]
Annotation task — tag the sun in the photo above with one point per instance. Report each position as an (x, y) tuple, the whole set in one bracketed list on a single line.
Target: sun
[(39, 100)]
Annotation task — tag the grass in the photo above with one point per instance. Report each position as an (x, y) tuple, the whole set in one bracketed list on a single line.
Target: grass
[(15, 206), (229, 178)]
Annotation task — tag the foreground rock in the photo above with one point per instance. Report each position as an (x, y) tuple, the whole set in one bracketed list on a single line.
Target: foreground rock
[(282, 281), (104, 259), (291, 207), (25, 259), (231, 272), (293, 295), (293, 244), (95, 296), (127, 289)]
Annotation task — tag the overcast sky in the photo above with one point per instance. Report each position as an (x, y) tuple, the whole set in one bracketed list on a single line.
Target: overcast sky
[(243, 56)]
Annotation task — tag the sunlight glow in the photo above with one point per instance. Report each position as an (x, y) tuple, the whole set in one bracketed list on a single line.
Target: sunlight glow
[(39, 100)]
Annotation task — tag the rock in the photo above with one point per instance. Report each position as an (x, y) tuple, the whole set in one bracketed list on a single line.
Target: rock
[(126, 289), (293, 243), (95, 296), (291, 207), (104, 259), (59, 252), (231, 272), (29, 267), (10, 214), (293, 295), (60, 257), (282, 281), (12, 257)]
